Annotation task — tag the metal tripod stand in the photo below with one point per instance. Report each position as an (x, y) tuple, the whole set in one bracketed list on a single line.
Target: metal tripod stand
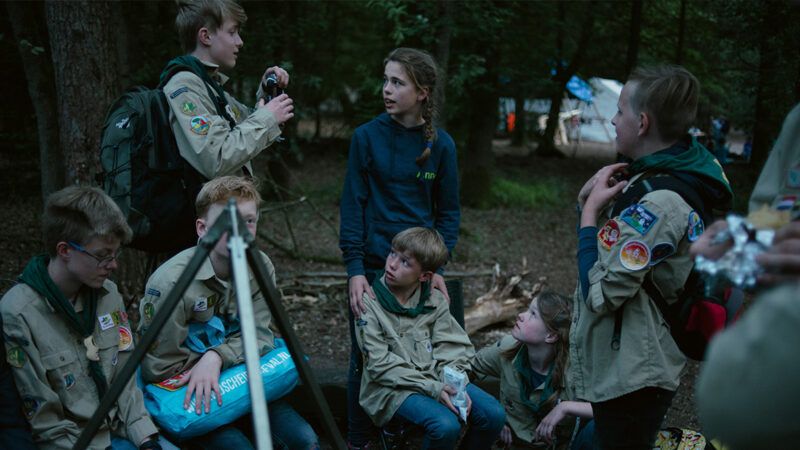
[(241, 244)]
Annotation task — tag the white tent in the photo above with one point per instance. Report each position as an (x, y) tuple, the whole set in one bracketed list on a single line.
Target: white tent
[(596, 115)]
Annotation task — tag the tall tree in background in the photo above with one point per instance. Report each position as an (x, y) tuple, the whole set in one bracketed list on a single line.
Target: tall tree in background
[(681, 33), (27, 21), (634, 36), (563, 74), (84, 59)]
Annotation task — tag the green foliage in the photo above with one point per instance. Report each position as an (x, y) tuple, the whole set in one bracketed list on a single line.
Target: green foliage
[(545, 193)]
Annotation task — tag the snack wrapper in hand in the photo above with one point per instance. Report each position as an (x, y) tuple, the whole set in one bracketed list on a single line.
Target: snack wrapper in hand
[(457, 380), (738, 265)]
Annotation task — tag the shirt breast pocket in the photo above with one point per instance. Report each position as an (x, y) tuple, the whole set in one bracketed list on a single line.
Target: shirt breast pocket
[(423, 348), (108, 345), (61, 369)]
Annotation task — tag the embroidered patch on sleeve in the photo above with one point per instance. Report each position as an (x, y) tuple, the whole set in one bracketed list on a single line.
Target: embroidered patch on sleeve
[(201, 304), (16, 357), (149, 311), (200, 125), (106, 321), (178, 92), (639, 218), (188, 108), (695, 227), (153, 292), (660, 252), (634, 255), (609, 234)]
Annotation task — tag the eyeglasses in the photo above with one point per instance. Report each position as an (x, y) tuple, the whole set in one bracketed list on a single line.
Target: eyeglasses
[(101, 262)]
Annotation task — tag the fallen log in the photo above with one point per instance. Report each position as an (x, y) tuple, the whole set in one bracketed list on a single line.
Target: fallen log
[(505, 299)]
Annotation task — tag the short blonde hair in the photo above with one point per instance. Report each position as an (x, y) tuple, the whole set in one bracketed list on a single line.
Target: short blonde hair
[(670, 94), (426, 245), (80, 214), (196, 14), (221, 189)]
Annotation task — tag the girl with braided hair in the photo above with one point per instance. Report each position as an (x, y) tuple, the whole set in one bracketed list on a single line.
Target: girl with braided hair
[(401, 173), (531, 364)]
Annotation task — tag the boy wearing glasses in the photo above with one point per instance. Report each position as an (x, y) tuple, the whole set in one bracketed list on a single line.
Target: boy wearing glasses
[(66, 330), (202, 336)]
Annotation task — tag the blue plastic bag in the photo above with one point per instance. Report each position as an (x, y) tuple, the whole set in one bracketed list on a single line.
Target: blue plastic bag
[(165, 404)]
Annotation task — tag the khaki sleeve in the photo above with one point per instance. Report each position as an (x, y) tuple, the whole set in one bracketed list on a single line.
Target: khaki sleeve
[(620, 269), (43, 409), (131, 411), (205, 138), (232, 351), (383, 366), (451, 345), (488, 362), (167, 356)]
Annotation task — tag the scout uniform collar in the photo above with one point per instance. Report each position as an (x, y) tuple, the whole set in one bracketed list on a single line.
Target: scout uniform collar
[(523, 367), (35, 275), (390, 303)]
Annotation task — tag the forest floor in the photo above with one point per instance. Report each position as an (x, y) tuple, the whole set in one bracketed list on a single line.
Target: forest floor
[(532, 223)]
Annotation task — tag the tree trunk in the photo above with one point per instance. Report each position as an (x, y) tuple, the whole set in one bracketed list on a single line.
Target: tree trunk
[(443, 34), (27, 22), (476, 180), (768, 53), (547, 147), (84, 59), (681, 33), (633, 37)]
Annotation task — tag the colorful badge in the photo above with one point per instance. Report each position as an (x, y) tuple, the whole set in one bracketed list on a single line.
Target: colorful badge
[(188, 108), (696, 226), (236, 113), (120, 317), (153, 292), (634, 255), (16, 357), (785, 202), (106, 321), (361, 322), (639, 218), (201, 304), (149, 310), (661, 251), (793, 177), (178, 92), (30, 405), (609, 234), (173, 384), (125, 338), (69, 381), (200, 125)]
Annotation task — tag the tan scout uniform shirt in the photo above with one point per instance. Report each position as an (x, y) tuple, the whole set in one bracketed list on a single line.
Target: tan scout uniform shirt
[(779, 182), (205, 138), (52, 372), (648, 356), (492, 362), (749, 386), (407, 355), (205, 298)]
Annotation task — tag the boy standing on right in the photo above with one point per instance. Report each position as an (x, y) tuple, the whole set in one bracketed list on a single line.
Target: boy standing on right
[(622, 357), (407, 337), (216, 133)]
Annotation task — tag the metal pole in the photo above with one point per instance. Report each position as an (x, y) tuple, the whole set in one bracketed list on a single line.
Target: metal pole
[(241, 281)]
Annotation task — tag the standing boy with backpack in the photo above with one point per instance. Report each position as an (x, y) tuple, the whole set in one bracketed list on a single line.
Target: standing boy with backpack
[(216, 133), (623, 358)]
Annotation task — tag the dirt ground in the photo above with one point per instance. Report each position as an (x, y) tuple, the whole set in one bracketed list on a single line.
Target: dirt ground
[(543, 237)]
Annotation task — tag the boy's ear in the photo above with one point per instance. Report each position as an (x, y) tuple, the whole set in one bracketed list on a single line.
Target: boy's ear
[(201, 227), (204, 36), (426, 275), (644, 123), (62, 250)]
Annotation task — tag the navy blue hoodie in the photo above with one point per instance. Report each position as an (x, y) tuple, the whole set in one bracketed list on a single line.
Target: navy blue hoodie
[(386, 192)]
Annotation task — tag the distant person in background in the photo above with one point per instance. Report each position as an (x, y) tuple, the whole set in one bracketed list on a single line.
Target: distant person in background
[(719, 133), (401, 172)]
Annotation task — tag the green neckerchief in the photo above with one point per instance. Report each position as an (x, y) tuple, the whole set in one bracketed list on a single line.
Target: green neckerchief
[(35, 275), (201, 70), (694, 160), (390, 303), (523, 366)]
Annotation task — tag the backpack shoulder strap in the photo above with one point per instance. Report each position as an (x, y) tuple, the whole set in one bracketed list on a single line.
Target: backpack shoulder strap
[(671, 182)]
